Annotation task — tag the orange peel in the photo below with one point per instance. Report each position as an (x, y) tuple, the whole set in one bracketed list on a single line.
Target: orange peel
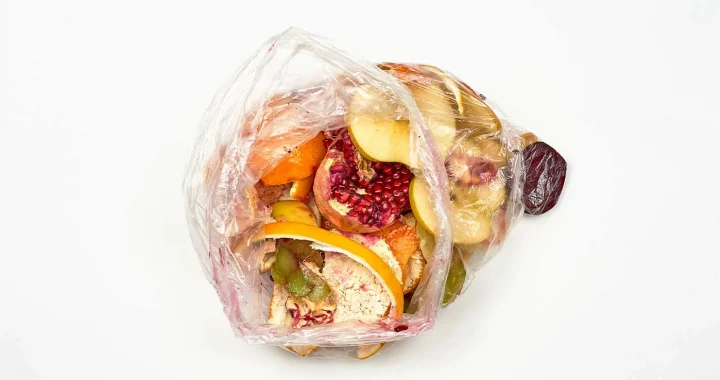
[(301, 162)]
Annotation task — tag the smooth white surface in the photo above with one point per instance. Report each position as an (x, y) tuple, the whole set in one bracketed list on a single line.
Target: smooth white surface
[(99, 104)]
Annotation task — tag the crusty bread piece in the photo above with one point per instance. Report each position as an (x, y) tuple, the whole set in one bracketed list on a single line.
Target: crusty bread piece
[(284, 306), (278, 312), (359, 294), (415, 269), (268, 259), (382, 249), (270, 194), (279, 315), (402, 239)]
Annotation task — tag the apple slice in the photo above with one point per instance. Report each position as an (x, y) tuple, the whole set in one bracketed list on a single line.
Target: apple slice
[(422, 205), (527, 139), (471, 209), (368, 350), (293, 211), (434, 104), (474, 115), (301, 188), (381, 140), (433, 99), (375, 103), (476, 161), (302, 350), (470, 219)]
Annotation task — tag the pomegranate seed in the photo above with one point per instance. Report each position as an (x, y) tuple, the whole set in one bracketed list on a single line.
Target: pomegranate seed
[(396, 183), (397, 193), (377, 188), (385, 206), (396, 175), (377, 198), (344, 197)]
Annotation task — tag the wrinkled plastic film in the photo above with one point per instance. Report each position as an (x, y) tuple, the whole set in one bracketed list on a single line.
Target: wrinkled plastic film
[(316, 81), (297, 86)]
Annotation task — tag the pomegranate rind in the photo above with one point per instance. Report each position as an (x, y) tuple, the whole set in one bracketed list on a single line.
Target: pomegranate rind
[(358, 195), (321, 191)]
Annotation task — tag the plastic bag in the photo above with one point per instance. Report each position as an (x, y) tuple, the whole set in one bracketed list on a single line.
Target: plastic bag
[(268, 121)]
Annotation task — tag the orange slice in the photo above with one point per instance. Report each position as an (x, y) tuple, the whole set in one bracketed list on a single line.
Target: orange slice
[(346, 246), (301, 188)]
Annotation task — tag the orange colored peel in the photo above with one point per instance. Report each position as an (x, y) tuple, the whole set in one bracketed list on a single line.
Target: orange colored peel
[(301, 162), (353, 249)]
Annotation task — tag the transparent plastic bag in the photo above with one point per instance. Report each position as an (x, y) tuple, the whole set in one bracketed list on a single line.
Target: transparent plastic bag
[(298, 89)]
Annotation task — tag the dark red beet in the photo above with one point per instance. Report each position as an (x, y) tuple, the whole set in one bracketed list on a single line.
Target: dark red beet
[(544, 178)]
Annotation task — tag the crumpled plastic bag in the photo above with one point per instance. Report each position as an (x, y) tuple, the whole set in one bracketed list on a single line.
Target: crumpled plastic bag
[(298, 85)]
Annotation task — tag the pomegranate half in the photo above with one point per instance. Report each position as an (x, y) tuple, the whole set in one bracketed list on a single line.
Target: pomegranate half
[(356, 194)]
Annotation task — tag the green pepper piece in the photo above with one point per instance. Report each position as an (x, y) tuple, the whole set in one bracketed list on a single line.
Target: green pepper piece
[(455, 278), (285, 261), (278, 276), (303, 252), (319, 292), (297, 284)]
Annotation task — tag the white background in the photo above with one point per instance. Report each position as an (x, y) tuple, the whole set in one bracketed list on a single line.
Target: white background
[(99, 106)]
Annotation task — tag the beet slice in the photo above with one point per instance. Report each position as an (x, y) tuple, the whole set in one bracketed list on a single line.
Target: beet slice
[(545, 172)]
